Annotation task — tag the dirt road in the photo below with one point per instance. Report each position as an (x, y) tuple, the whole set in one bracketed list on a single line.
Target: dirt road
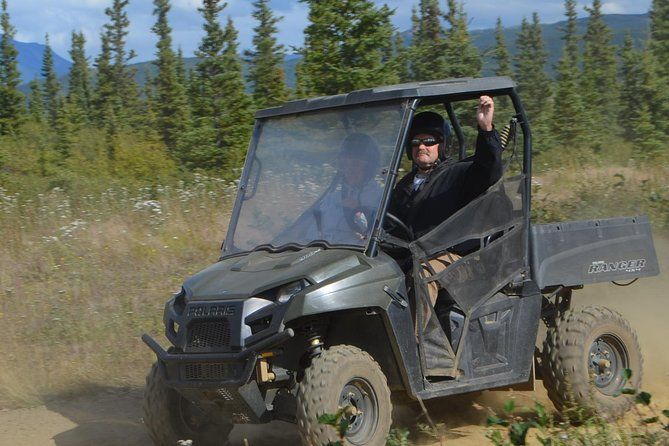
[(112, 416)]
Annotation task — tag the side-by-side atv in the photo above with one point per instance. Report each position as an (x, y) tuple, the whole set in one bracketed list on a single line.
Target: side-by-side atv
[(319, 299)]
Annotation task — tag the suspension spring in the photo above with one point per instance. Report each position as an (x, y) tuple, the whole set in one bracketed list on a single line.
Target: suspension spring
[(314, 343)]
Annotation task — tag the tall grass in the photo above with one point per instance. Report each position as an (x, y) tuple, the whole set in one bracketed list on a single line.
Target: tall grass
[(82, 275), (580, 184)]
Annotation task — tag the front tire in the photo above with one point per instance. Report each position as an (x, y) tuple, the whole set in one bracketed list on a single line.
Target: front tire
[(170, 417), (344, 375), (583, 360)]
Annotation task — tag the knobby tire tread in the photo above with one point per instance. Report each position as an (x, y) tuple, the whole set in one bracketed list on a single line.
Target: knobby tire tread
[(317, 383), (565, 373)]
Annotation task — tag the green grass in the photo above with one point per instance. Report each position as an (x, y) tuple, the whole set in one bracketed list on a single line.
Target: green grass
[(645, 424)]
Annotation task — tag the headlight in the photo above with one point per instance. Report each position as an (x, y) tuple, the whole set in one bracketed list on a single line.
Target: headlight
[(180, 301), (289, 290)]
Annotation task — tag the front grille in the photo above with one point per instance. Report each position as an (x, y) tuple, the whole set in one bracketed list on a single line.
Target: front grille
[(204, 336), (210, 371)]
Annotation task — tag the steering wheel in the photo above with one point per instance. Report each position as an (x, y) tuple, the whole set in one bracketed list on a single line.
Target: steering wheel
[(397, 223)]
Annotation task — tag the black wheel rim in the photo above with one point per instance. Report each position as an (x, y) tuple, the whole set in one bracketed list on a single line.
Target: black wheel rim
[(607, 359), (359, 394)]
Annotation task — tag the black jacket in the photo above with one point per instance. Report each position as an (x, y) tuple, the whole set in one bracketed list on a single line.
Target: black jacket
[(449, 187)]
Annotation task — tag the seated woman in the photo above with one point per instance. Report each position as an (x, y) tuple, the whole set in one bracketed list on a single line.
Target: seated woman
[(344, 213)]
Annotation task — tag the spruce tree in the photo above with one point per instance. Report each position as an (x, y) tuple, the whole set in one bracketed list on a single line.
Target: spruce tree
[(64, 129), (502, 58), (222, 110), (599, 80), (659, 64), (655, 96), (104, 86), (462, 57), (11, 99), (104, 97), (35, 101), (125, 96), (149, 90), (346, 47), (51, 86), (648, 141), (79, 91), (236, 117), (149, 109), (170, 97), (569, 121), (630, 88), (401, 57), (530, 73), (182, 78), (265, 61), (534, 85), (427, 59), (209, 67), (501, 52), (659, 35), (639, 99)]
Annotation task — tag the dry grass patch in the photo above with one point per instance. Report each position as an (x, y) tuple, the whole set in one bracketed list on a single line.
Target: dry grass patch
[(81, 278), (599, 192)]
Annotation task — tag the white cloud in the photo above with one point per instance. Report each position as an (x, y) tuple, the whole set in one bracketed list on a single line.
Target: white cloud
[(186, 4), (613, 8), (86, 3), (294, 19), (33, 18), (484, 13)]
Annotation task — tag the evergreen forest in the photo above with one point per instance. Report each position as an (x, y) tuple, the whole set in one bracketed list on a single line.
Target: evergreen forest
[(103, 124)]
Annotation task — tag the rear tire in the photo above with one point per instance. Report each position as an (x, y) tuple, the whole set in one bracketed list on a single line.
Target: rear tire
[(583, 360), (170, 417), (344, 375)]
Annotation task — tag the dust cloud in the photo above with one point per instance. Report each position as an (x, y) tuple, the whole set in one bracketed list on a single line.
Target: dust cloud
[(645, 304)]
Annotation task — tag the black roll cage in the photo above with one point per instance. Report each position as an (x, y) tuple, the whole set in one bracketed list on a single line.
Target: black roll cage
[(443, 92), (447, 103)]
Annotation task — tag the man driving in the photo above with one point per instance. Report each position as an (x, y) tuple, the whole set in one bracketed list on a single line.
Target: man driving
[(438, 186)]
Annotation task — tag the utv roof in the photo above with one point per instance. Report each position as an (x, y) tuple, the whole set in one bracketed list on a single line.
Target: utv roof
[(459, 88)]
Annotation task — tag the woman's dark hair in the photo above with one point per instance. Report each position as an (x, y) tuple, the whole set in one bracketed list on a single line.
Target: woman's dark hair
[(362, 147)]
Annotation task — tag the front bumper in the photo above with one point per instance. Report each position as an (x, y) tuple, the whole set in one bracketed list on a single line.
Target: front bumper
[(213, 370)]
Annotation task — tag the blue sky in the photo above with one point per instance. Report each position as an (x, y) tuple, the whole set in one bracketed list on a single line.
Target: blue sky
[(34, 18)]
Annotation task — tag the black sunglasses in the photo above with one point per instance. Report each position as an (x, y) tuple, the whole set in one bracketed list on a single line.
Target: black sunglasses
[(428, 141)]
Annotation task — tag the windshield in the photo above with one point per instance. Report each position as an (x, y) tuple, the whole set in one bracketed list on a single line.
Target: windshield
[(315, 177)]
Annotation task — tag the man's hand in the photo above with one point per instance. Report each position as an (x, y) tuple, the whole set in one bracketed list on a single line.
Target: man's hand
[(485, 112)]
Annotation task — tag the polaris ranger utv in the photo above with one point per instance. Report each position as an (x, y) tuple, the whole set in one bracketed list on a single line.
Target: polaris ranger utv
[(307, 312)]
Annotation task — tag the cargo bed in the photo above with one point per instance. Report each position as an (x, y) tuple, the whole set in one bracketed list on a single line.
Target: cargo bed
[(581, 252)]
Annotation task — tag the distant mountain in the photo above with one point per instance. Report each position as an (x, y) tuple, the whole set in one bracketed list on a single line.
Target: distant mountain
[(144, 69), (30, 54), (637, 25), (30, 60)]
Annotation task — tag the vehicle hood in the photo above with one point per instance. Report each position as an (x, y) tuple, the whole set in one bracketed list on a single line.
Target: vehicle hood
[(253, 273)]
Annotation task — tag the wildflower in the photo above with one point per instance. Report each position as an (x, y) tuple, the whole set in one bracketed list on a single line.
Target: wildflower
[(151, 205)]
